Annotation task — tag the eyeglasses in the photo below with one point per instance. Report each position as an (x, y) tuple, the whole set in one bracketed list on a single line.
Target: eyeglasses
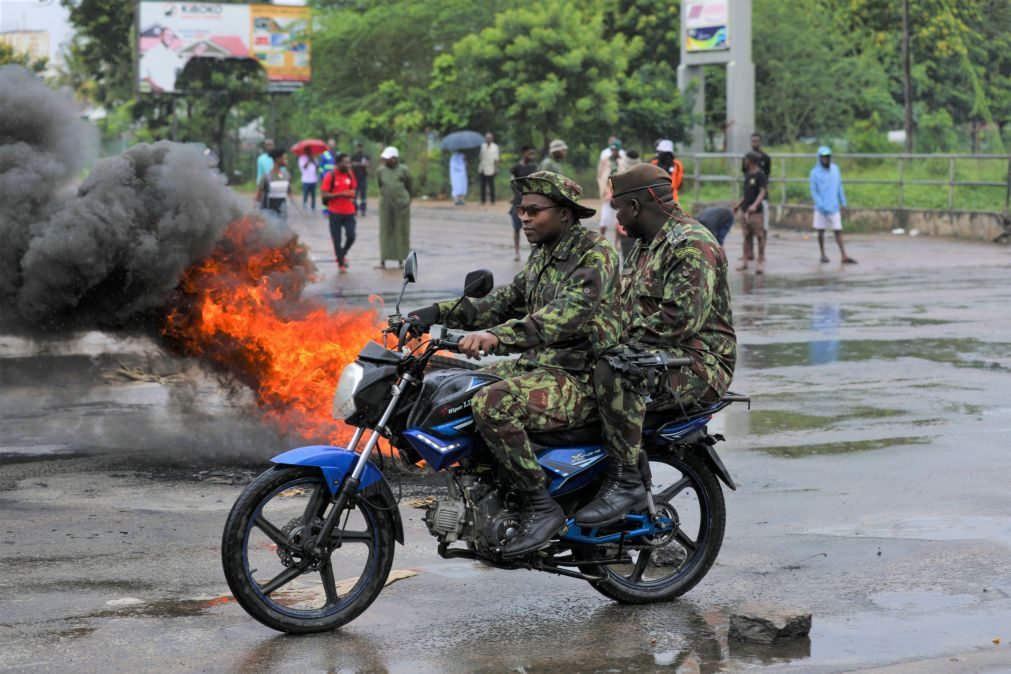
[(532, 211)]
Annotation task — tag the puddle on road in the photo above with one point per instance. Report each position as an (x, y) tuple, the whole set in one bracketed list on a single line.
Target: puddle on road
[(969, 353), (896, 635), (765, 422), (845, 447)]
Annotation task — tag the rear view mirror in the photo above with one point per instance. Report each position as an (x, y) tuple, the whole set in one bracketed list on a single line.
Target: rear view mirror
[(411, 267), (478, 283)]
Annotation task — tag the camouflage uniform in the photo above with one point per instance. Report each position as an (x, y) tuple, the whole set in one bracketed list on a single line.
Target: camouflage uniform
[(559, 312), (673, 297)]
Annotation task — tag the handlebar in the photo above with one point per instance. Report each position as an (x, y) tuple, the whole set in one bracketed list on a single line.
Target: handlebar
[(450, 343)]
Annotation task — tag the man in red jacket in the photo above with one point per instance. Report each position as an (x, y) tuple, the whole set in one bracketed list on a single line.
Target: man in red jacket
[(338, 190)]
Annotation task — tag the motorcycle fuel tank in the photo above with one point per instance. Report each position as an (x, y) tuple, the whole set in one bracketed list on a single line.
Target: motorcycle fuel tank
[(443, 406)]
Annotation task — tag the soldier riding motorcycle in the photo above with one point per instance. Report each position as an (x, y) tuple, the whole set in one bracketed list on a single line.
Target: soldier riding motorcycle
[(309, 544)]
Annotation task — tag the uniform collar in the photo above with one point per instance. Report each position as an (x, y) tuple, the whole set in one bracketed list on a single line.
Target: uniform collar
[(672, 231), (567, 241)]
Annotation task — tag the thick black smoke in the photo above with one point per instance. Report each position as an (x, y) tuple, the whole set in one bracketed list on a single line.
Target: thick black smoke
[(119, 246)]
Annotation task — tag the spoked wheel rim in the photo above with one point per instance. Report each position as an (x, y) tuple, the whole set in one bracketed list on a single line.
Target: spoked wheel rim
[(295, 584), (679, 495)]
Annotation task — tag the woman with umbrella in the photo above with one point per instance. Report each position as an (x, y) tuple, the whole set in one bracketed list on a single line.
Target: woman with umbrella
[(458, 177), (456, 142), (308, 167)]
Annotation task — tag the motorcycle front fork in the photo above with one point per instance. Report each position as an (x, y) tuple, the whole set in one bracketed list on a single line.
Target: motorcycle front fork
[(349, 487)]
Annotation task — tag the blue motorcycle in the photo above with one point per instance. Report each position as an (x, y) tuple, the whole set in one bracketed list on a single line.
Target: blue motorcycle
[(309, 544)]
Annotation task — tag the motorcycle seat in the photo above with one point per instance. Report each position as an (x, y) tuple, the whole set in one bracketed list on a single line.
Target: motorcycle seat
[(589, 434)]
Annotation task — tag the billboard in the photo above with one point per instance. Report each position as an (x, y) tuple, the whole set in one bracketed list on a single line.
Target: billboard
[(705, 25), (171, 33)]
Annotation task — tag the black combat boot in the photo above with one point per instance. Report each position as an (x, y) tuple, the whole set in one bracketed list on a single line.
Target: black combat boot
[(540, 520), (621, 492)]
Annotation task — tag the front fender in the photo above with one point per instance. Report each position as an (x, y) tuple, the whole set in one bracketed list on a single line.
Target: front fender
[(336, 463)]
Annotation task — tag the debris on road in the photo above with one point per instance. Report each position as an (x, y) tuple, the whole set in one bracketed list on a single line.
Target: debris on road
[(768, 624)]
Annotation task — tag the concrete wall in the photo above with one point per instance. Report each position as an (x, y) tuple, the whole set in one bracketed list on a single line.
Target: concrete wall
[(958, 224)]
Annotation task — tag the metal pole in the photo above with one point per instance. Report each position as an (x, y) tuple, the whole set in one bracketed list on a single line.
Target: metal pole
[(698, 179), (951, 183), (1007, 195), (907, 80), (782, 185), (902, 175)]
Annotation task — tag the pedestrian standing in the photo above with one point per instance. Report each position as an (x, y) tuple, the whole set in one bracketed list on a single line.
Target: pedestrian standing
[(606, 152), (458, 177), (327, 163), (752, 223), (265, 161), (274, 188), (764, 163), (395, 187), (607, 167), (666, 160), (556, 154), (487, 166), (309, 170), (829, 202), (521, 169), (360, 167), (621, 234), (338, 192)]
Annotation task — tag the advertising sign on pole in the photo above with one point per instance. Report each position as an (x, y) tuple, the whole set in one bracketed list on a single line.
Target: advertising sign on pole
[(706, 25), (171, 33)]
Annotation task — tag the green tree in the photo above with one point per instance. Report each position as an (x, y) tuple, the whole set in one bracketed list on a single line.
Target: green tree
[(809, 81), (212, 88), (367, 56), (545, 70), (651, 104), (960, 53), (10, 57)]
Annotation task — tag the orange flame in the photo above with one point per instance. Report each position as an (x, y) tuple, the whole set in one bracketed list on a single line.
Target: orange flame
[(242, 309)]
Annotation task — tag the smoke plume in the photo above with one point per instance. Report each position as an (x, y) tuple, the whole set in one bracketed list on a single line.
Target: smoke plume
[(119, 246)]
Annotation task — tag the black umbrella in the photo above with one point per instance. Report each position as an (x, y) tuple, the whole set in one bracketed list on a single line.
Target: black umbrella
[(461, 140)]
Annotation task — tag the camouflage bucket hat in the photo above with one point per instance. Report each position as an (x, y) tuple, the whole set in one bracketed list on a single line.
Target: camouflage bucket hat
[(556, 187)]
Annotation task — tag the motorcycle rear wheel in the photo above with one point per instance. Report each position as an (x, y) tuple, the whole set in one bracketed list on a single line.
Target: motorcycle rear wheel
[(645, 581), (270, 578)]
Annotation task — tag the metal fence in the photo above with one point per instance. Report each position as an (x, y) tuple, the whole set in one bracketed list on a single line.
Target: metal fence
[(780, 178)]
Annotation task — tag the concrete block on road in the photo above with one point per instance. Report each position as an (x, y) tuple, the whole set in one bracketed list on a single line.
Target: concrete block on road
[(768, 624)]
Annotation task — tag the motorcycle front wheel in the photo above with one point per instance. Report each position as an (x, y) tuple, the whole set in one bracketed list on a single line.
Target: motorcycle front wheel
[(686, 491), (275, 581)]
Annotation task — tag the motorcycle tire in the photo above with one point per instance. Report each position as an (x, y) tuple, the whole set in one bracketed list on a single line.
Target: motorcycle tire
[(246, 589), (713, 522)]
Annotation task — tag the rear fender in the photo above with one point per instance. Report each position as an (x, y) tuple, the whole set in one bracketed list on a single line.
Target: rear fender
[(705, 444), (336, 463)]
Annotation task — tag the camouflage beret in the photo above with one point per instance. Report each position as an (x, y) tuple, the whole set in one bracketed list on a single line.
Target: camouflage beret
[(556, 187), (639, 177)]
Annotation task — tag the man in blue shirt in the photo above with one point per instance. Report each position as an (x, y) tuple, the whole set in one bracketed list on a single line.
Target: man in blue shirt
[(265, 163), (327, 163), (829, 200)]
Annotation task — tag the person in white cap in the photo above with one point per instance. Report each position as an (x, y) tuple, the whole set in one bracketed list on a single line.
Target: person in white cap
[(395, 187), (666, 160), (556, 153), (829, 202)]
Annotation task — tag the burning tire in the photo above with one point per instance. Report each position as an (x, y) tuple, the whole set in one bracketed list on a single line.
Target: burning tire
[(274, 578)]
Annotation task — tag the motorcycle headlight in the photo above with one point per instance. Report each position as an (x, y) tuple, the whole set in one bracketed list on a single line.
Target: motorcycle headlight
[(344, 396)]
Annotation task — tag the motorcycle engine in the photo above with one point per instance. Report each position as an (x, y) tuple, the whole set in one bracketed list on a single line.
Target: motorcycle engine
[(473, 512)]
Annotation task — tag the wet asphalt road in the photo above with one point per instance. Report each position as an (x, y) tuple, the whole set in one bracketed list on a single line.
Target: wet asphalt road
[(872, 470)]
